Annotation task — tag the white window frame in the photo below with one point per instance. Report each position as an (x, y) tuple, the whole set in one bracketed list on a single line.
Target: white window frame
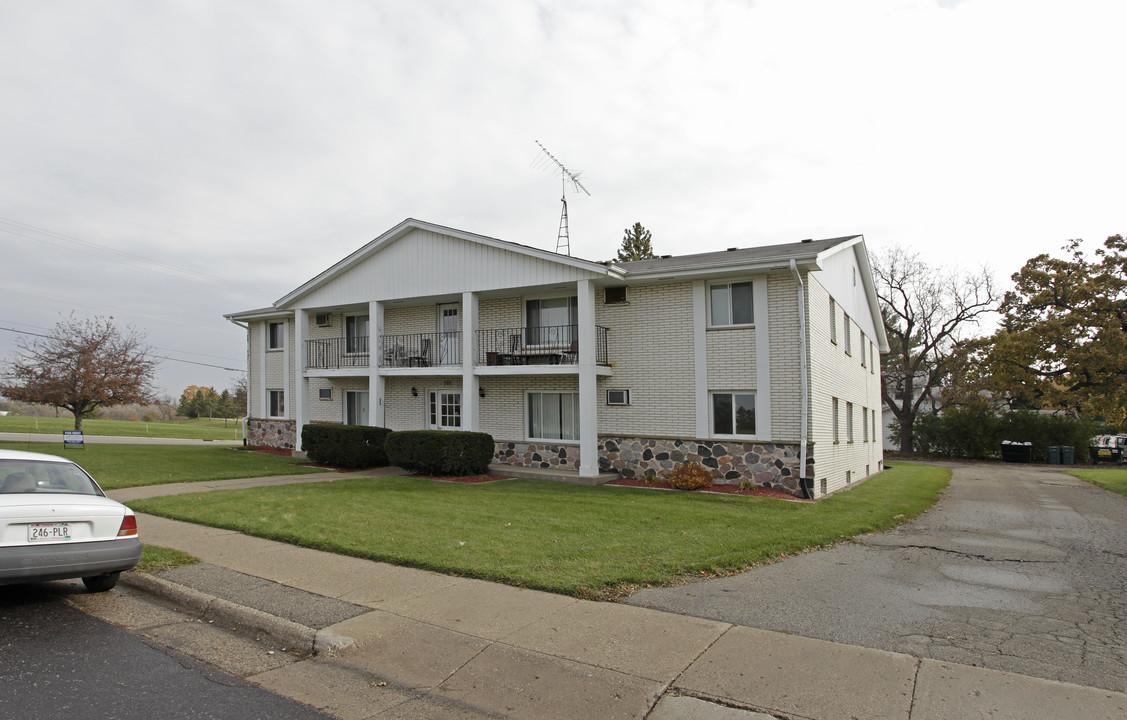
[(271, 394), (833, 321), (572, 325), (625, 296), (848, 336), (730, 309), (864, 424), (325, 393), (862, 349), (848, 422), (528, 416), (351, 346), (712, 395), (836, 420), (270, 339)]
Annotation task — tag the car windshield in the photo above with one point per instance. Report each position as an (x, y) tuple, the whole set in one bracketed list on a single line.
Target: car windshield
[(38, 476)]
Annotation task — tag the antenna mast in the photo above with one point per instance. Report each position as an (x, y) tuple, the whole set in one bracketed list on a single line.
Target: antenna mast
[(563, 239)]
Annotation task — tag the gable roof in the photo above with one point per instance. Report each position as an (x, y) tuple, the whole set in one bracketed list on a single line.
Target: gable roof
[(410, 224)]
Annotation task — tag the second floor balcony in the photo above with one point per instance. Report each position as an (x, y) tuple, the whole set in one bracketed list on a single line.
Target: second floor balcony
[(549, 345)]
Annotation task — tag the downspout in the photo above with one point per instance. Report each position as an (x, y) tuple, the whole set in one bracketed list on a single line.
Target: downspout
[(807, 492), (243, 421)]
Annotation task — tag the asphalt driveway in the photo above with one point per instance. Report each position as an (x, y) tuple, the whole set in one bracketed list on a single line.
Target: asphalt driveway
[(1016, 568)]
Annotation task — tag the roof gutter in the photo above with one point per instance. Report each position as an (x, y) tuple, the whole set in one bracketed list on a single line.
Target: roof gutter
[(807, 488)]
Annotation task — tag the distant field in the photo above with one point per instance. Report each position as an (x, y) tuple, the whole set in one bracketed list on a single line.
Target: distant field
[(201, 429)]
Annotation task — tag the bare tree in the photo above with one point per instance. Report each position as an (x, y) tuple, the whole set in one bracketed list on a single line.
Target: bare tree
[(927, 312), (80, 366)]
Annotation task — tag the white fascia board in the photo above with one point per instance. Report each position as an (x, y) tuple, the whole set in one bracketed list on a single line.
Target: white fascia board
[(264, 314), (410, 224)]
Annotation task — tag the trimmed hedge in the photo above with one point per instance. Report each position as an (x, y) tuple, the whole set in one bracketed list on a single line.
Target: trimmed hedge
[(440, 452), (346, 446), (978, 432)]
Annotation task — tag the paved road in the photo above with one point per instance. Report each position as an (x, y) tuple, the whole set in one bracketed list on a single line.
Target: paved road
[(1016, 568), (59, 662)]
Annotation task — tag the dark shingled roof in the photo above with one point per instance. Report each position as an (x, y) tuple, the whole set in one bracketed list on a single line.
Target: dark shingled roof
[(740, 256)]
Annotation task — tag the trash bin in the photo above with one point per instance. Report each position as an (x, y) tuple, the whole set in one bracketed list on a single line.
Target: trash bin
[(1054, 455), (1017, 452), (1067, 455)]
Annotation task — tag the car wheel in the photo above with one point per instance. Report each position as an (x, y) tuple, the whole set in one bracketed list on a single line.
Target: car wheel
[(101, 583)]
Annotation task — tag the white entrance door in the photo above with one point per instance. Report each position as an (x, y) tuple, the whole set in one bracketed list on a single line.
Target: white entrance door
[(444, 410), (356, 407), (449, 340)]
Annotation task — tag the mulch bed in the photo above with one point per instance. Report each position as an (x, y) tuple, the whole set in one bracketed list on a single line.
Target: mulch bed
[(724, 489)]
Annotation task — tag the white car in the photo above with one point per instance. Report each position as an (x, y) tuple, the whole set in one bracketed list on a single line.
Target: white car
[(56, 523)]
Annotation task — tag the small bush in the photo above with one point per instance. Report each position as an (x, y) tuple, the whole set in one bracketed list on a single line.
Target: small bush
[(346, 446), (690, 476), (440, 452)]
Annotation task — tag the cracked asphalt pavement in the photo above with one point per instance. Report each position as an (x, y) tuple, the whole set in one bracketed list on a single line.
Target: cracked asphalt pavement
[(1017, 568)]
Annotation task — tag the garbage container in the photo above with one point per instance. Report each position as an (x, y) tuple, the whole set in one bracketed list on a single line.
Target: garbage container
[(1017, 452), (1054, 455), (1067, 455)]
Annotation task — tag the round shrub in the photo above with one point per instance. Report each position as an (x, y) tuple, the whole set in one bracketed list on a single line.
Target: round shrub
[(690, 476)]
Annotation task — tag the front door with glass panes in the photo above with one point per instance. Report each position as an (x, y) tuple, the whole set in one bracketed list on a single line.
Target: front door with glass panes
[(444, 410), (449, 339), (356, 407)]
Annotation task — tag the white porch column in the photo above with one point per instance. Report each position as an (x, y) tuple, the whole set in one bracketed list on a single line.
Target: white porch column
[(299, 397), (700, 356), (588, 388), (471, 420), (377, 417)]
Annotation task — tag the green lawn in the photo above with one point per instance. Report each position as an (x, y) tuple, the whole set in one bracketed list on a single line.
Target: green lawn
[(575, 540), (1114, 479), (201, 429), (120, 466)]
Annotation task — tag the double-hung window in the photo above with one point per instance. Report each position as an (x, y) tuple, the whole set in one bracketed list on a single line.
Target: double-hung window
[(553, 415), (848, 336), (551, 321), (277, 402), (731, 304), (733, 413), (275, 336), (849, 422)]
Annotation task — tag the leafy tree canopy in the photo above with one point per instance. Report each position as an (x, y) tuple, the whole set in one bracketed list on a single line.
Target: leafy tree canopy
[(80, 366)]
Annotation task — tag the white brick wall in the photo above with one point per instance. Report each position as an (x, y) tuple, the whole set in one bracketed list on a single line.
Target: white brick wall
[(833, 373)]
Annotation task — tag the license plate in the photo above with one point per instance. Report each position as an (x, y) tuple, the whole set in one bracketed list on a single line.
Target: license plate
[(1105, 453), (40, 532)]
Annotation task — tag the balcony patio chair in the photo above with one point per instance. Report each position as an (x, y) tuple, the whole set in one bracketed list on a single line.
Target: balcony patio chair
[(422, 359), (571, 355)]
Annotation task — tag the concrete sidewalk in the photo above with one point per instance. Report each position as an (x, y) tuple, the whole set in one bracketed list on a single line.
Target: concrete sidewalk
[(394, 642)]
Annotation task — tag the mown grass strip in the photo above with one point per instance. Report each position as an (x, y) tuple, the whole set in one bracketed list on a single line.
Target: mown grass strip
[(196, 429), (574, 540), (1113, 479), (122, 466)]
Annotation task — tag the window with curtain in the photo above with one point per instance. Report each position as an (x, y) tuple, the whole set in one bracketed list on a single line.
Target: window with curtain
[(553, 416), (551, 321)]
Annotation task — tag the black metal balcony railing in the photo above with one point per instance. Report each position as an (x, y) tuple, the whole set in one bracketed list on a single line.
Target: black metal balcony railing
[(421, 349), (331, 353), (550, 345)]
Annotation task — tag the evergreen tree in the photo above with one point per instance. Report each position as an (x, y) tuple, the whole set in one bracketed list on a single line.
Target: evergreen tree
[(636, 244)]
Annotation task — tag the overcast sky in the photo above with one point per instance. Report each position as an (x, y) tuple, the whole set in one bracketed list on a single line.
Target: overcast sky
[(167, 162)]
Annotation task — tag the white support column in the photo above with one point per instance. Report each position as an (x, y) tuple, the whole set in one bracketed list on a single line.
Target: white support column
[(700, 355), (762, 359), (471, 416), (296, 356), (588, 386), (377, 417), (264, 382)]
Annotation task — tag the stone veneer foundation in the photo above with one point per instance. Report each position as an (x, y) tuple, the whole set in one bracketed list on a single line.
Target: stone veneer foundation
[(272, 433), (765, 464)]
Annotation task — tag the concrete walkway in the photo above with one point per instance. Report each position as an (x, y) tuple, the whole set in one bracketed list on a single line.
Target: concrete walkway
[(416, 644)]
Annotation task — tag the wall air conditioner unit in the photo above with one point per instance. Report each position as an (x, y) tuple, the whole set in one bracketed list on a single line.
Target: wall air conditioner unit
[(324, 320), (618, 397)]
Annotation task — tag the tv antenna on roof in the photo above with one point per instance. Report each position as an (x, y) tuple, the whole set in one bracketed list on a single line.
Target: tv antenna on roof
[(545, 158)]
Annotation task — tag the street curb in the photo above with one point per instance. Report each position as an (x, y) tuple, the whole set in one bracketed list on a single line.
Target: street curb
[(294, 635)]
